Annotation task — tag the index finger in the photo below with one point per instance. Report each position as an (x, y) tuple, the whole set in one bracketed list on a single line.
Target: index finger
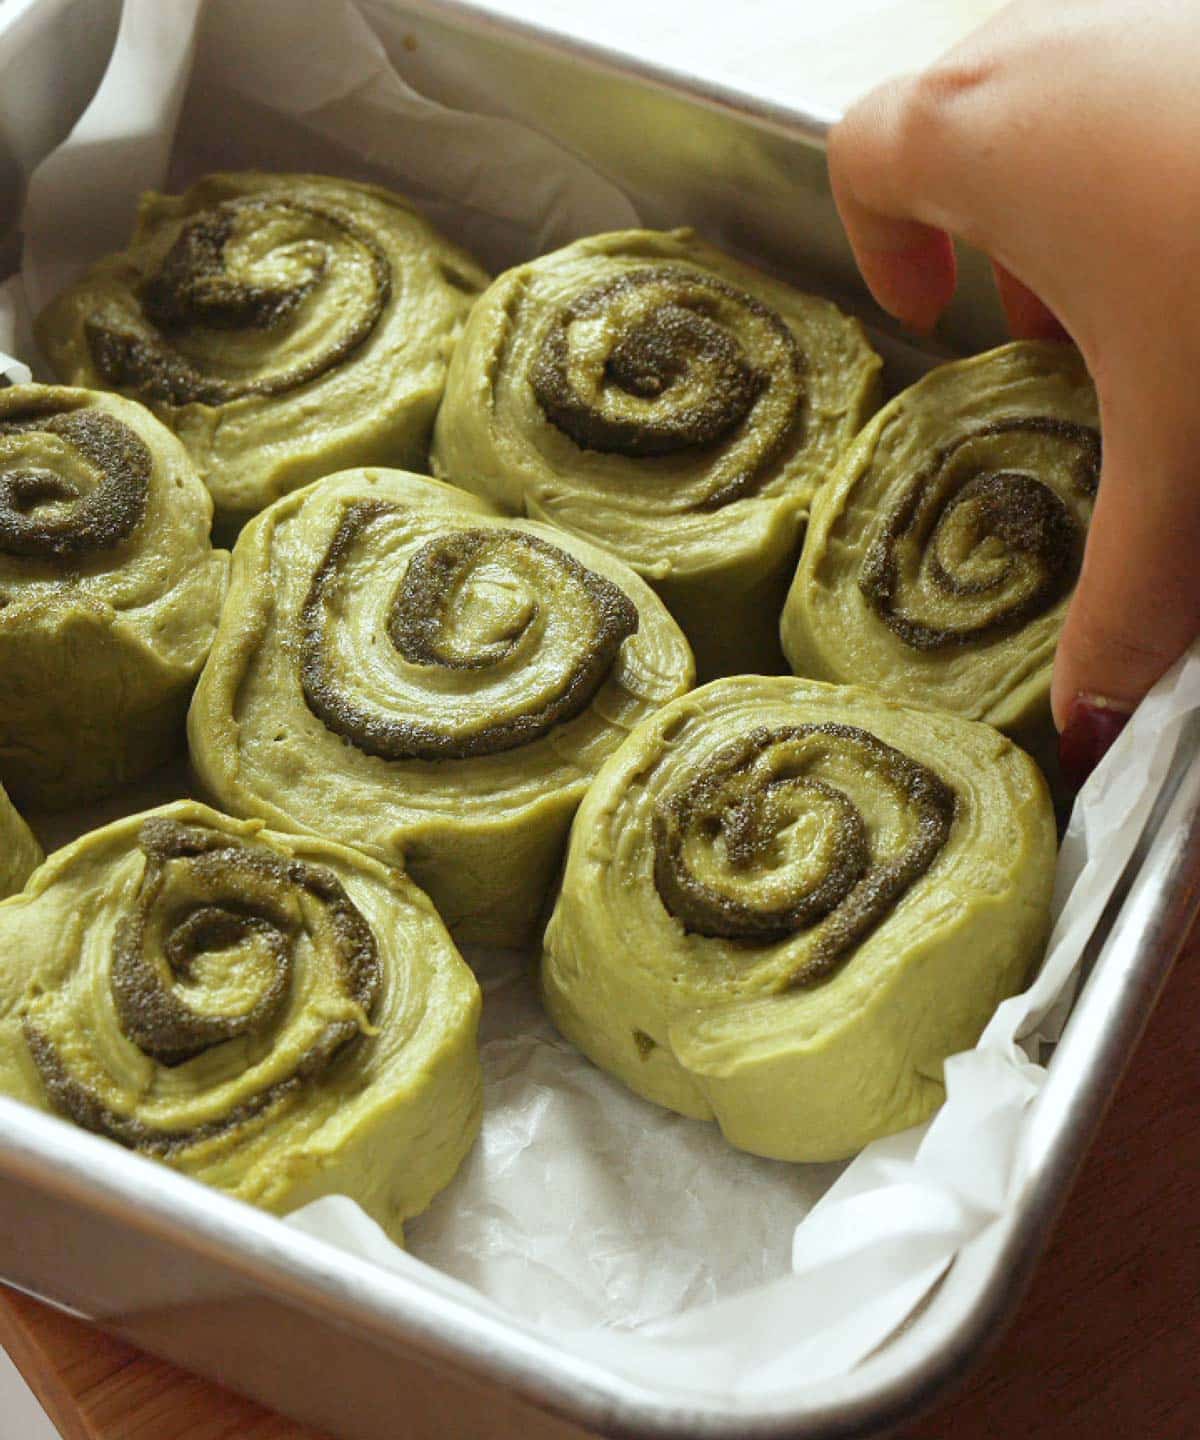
[(905, 165)]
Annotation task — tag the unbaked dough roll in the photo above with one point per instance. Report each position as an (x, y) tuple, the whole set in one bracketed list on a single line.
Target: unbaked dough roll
[(279, 1017), (940, 559), (284, 326), (786, 903), (20, 853), (649, 393), (109, 592), (403, 670)]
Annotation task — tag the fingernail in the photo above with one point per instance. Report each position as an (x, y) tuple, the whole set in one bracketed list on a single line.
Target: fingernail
[(1093, 723)]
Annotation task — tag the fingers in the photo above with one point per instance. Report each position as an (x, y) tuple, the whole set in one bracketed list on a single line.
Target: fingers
[(1010, 144), (909, 266), (903, 180), (911, 272), (1136, 607), (1028, 317), (976, 148)]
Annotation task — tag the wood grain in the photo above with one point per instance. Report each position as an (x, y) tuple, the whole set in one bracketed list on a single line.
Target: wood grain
[(1105, 1347)]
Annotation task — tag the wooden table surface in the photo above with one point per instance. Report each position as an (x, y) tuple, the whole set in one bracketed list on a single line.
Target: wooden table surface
[(1105, 1347)]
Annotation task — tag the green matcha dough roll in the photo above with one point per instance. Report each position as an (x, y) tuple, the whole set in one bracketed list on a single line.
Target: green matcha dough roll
[(279, 1017), (284, 326), (940, 559), (20, 853), (109, 592), (786, 903), (647, 392), (401, 669)]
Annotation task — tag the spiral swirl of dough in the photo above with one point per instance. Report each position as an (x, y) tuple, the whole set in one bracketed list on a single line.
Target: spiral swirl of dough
[(109, 592), (767, 839), (283, 326), (282, 1018), (786, 903), (401, 668), (510, 677), (941, 557), (974, 550), (647, 392)]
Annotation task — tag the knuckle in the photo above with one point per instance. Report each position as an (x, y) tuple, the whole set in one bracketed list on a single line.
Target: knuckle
[(930, 105), (948, 81), (908, 135)]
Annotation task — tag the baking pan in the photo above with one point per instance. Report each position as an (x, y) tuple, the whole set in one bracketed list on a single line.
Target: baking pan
[(366, 1353)]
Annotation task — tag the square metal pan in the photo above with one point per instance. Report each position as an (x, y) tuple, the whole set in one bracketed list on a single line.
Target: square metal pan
[(223, 1289)]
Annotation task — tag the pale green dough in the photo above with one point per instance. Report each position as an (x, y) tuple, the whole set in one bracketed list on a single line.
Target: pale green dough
[(714, 515), (20, 853), (808, 1042), (830, 628), (109, 592), (364, 1078), (481, 829), (342, 363)]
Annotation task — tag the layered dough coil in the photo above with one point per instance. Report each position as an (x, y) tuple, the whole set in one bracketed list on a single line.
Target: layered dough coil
[(283, 326), (109, 592), (786, 903), (649, 393), (940, 559), (20, 853), (279, 1017), (401, 669)]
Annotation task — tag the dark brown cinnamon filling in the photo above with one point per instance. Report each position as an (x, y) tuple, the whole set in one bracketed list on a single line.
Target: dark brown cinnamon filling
[(239, 894), (47, 516), (194, 290), (743, 801), (433, 582), (677, 376), (1017, 512)]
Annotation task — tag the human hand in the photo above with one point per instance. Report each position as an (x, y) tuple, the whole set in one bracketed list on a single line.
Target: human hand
[(1061, 140)]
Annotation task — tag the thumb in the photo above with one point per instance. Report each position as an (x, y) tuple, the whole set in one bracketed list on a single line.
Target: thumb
[(1136, 607)]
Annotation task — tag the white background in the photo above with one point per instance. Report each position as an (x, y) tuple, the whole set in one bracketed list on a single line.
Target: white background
[(833, 50)]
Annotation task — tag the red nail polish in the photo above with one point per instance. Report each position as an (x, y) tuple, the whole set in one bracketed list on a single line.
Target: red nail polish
[(1092, 725)]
